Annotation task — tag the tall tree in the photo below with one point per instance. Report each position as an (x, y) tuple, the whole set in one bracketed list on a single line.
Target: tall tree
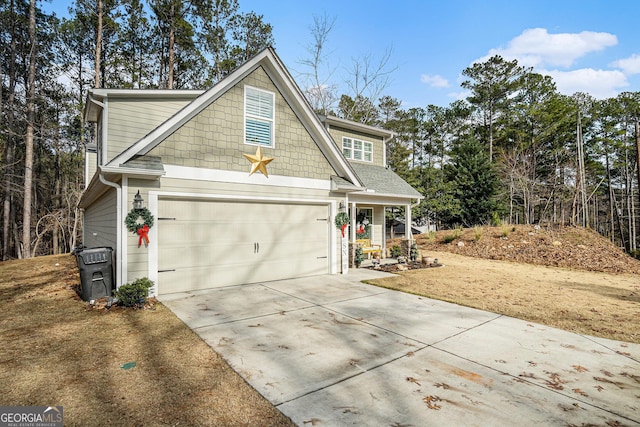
[(492, 84), (218, 18), (133, 48), (28, 157), (474, 183)]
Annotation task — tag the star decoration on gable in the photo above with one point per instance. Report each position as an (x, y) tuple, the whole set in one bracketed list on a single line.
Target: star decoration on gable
[(258, 162)]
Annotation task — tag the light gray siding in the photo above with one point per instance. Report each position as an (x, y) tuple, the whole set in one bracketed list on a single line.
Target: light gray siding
[(100, 222), (130, 120)]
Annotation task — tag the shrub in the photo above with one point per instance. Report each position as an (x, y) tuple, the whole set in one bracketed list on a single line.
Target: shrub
[(413, 254), (453, 236), (495, 219), (396, 251), (477, 233), (358, 256), (134, 294)]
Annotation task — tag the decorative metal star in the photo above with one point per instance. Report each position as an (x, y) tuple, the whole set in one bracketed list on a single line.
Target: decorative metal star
[(258, 162)]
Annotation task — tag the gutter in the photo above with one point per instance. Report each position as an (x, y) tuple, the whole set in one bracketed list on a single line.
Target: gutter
[(119, 222)]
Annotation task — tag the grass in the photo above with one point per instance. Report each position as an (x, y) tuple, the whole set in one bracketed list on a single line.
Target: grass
[(56, 350), (585, 302)]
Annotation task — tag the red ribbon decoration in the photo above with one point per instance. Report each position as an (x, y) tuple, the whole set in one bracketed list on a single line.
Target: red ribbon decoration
[(344, 226), (143, 233)]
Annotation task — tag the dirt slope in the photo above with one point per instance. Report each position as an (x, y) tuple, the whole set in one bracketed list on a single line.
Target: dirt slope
[(569, 247)]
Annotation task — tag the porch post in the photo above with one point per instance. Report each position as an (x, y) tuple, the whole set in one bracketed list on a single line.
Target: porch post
[(352, 229), (407, 226)]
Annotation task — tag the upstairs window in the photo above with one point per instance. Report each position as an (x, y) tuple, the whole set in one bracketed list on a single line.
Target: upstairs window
[(258, 116), (357, 150)]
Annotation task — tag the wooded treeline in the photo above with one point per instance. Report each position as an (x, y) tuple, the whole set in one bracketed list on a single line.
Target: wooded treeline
[(515, 150), (47, 65)]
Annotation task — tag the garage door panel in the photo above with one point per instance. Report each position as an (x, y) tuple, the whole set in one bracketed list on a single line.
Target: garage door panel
[(205, 244), (200, 255)]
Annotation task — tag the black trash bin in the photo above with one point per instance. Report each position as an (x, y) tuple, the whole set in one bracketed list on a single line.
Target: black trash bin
[(96, 272)]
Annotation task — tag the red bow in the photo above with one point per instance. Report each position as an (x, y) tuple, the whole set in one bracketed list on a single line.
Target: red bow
[(143, 233), (343, 227)]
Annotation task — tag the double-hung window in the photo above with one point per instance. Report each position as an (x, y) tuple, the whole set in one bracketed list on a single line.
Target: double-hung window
[(357, 150), (258, 117)]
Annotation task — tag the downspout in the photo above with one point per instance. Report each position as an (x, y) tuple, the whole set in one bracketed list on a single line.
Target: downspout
[(119, 221)]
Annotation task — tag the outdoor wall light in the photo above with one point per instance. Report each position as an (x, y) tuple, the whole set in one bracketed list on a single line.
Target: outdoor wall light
[(138, 201), (341, 205)]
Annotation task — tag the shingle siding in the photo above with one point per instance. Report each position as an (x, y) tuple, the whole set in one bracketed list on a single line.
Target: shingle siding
[(213, 139)]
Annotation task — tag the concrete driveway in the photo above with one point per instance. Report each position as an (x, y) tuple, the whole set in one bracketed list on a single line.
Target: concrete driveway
[(331, 351)]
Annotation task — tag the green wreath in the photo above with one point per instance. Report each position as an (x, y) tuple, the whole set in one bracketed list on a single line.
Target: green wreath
[(132, 223), (342, 218)]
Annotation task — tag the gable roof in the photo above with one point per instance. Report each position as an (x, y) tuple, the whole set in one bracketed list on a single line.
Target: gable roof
[(273, 66)]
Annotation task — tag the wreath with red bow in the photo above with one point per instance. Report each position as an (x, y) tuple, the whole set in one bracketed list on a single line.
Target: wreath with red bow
[(139, 221), (342, 221)]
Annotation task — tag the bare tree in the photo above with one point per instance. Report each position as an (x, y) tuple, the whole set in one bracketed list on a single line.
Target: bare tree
[(320, 92), (366, 80)]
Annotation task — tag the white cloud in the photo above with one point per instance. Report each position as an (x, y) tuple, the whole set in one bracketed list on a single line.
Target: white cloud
[(630, 65), (458, 96), (598, 83), (434, 80), (535, 47)]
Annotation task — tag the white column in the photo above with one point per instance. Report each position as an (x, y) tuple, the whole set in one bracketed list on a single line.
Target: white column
[(407, 225), (352, 229)]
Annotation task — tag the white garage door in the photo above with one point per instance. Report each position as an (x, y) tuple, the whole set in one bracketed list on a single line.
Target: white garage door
[(206, 244)]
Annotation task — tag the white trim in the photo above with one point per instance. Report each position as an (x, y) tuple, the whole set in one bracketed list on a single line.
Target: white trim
[(152, 251), (124, 269), (219, 175), (154, 202)]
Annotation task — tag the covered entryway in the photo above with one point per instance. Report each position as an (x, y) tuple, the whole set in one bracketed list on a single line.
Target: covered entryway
[(210, 243)]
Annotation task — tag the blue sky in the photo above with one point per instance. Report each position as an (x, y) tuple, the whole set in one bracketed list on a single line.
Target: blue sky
[(589, 46)]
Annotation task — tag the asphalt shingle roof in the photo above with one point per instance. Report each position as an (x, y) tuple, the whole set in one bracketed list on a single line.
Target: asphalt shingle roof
[(383, 180)]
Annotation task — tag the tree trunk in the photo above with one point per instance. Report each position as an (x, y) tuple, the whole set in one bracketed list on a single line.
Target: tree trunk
[(172, 41), (637, 137), (28, 161), (7, 213), (98, 51), (611, 196)]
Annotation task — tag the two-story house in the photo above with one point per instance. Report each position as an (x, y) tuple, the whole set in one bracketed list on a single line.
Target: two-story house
[(243, 181)]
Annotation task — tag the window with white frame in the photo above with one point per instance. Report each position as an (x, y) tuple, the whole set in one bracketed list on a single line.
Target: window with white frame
[(258, 116), (357, 150)]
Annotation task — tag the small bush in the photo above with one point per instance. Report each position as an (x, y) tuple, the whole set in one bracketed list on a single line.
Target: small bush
[(396, 251), (495, 220), (448, 238), (134, 294), (477, 233), (413, 254), (453, 236), (358, 256)]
